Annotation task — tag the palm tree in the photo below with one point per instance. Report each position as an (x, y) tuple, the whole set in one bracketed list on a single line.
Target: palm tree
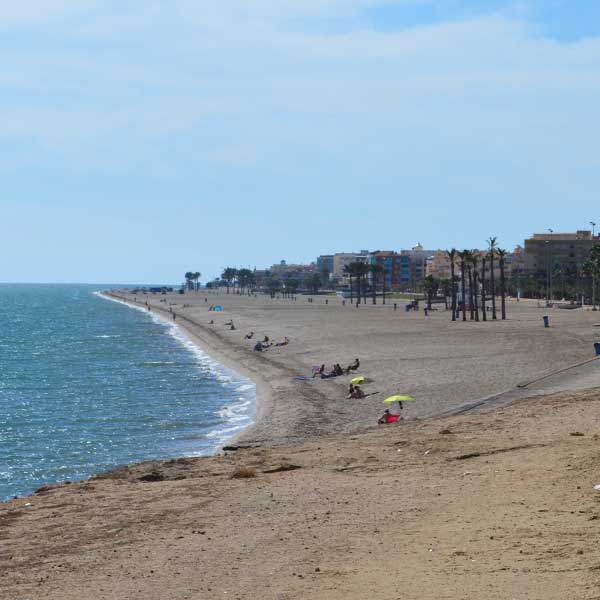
[(229, 275), (363, 271), (430, 285), (492, 250), (469, 263), (483, 313), (452, 257), (349, 271), (474, 261), (244, 277), (291, 285), (502, 256), (197, 276), (463, 263), (189, 276), (376, 271)]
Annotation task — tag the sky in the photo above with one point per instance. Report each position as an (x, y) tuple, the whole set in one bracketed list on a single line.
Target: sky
[(140, 139)]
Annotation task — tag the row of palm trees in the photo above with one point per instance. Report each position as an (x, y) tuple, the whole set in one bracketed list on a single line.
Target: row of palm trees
[(244, 279), (474, 276), (358, 273), (192, 280)]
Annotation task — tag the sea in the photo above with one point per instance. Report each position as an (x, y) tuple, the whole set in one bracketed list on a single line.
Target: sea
[(87, 384)]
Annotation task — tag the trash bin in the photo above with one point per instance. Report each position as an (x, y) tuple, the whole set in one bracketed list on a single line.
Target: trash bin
[(546, 321), (597, 348)]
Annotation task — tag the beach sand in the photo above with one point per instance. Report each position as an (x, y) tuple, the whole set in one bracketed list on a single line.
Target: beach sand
[(443, 364), (496, 504)]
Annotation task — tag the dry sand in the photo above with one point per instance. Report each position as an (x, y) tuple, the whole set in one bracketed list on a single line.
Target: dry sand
[(497, 504), (501, 507), (443, 364)]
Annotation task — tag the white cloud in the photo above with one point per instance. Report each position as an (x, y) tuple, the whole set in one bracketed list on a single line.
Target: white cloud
[(233, 81), (28, 12)]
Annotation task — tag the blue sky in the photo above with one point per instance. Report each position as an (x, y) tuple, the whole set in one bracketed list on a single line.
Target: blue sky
[(141, 139)]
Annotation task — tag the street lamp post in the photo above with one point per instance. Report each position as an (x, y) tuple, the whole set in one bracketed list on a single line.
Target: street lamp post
[(550, 264)]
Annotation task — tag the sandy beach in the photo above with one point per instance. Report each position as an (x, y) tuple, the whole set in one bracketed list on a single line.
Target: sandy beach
[(444, 365), (319, 502)]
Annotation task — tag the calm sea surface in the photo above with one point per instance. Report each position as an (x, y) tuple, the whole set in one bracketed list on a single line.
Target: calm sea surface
[(87, 384)]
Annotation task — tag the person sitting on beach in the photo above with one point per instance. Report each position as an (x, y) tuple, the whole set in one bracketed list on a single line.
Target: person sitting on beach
[(211, 322), (357, 393), (388, 417), (249, 336), (258, 347), (319, 371), (232, 327), (354, 366), (333, 373), (266, 340), (338, 370)]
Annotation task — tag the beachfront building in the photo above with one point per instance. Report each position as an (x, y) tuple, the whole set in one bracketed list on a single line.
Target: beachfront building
[(325, 264), (342, 260), (552, 251), (391, 262), (413, 266), (283, 271)]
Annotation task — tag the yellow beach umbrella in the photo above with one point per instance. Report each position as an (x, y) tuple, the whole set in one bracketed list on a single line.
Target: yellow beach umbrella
[(357, 380), (393, 399)]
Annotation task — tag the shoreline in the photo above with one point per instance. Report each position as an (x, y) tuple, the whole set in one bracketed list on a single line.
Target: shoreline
[(223, 362), (228, 356)]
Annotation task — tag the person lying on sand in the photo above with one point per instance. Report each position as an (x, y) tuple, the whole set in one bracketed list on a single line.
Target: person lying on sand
[(354, 366), (388, 417), (285, 342), (336, 371), (319, 372), (249, 336), (259, 347)]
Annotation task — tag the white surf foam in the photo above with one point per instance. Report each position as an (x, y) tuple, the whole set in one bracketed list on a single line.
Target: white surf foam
[(238, 415)]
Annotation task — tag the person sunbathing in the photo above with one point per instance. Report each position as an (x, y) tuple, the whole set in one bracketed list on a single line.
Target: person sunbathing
[(249, 336), (354, 366), (332, 373), (285, 342), (388, 417), (319, 372)]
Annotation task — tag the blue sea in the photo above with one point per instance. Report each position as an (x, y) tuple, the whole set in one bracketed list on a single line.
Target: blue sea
[(87, 384)]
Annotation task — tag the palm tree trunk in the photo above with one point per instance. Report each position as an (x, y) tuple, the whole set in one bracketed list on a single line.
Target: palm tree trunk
[(374, 288), (453, 290), (503, 289), (383, 288), (493, 284), (483, 313), (471, 302), (464, 294), (475, 303), (364, 284), (358, 290)]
